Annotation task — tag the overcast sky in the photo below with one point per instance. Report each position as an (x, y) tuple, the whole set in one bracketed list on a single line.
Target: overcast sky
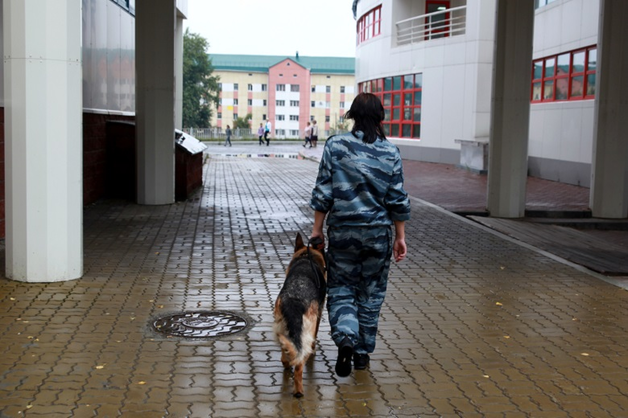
[(275, 27)]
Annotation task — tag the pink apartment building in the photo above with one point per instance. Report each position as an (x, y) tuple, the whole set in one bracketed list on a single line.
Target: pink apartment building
[(290, 91)]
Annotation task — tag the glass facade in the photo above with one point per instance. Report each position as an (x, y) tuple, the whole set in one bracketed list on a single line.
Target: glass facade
[(401, 97), (369, 25), (566, 76)]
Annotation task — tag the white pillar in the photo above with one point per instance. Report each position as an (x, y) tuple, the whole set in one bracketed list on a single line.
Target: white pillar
[(510, 108), (609, 171), (155, 23), (178, 74), (43, 139)]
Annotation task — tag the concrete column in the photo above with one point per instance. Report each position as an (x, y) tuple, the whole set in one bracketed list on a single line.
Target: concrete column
[(510, 108), (155, 23), (609, 172), (43, 139), (178, 73)]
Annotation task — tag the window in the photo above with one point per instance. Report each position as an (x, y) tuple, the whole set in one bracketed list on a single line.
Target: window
[(342, 89), (250, 87), (327, 119), (280, 117), (313, 103), (235, 102), (327, 89), (219, 86), (264, 87), (294, 117), (438, 19), (250, 102), (567, 76), (219, 115), (127, 4), (280, 102), (264, 103), (311, 118), (313, 89), (541, 3), (369, 25), (235, 86), (294, 133), (327, 105), (281, 87), (264, 117), (342, 105), (235, 116), (401, 97), (280, 132), (294, 103), (294, 87)]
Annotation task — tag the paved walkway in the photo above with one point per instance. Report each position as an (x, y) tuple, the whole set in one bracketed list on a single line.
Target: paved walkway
[(474, 325)]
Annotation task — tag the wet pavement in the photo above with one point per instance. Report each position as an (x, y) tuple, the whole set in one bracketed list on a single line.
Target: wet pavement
[(474, 324)]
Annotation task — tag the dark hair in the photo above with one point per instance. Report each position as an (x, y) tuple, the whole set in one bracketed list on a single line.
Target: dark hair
[(368, 113)]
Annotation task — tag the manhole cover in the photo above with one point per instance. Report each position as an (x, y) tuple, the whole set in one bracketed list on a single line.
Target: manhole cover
[(200, 324)]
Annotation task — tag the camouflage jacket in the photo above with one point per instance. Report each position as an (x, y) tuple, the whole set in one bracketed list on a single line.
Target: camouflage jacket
[(360, 184)]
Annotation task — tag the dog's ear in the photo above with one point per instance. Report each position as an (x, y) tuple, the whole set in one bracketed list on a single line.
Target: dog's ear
[(298, 244)]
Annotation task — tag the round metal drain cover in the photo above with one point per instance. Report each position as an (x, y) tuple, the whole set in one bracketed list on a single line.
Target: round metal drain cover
[(200, 324)]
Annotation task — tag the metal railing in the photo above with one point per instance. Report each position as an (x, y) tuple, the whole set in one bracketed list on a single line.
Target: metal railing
[(219, 133), (239, 133), (440, 24)]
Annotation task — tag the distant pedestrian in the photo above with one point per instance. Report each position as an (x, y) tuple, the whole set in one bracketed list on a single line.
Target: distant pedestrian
[(260, 133), (314, 135), (308, 133), (228, 133), (267, 130)]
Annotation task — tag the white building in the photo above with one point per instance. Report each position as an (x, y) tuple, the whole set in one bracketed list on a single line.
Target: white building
[(528, 97), (70, 68)]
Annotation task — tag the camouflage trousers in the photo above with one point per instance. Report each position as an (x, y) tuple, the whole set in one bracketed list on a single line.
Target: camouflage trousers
[(358, 262)]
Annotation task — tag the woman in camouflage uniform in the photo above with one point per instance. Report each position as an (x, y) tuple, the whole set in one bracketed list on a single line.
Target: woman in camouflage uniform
[(359, 189)]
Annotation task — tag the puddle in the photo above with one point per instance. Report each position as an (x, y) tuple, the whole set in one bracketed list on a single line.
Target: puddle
[(294, 156)]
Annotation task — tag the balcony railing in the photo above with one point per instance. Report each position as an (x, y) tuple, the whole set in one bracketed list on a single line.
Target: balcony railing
[(440, 24)]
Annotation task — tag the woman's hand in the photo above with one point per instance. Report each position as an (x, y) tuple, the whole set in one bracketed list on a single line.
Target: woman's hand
[(399, 246), (399, 249), (317, 230)]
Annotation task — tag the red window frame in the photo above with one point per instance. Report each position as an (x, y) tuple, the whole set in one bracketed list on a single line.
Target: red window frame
[(564, 77), (369, 25), (401, 97), (439, 31)]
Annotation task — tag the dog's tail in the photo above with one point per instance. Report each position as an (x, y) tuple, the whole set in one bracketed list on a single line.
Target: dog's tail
[(298, 346)]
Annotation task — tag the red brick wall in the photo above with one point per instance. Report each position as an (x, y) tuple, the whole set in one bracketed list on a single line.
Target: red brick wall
[(94, 158), (189, 167), (95, 154), (2, 211)]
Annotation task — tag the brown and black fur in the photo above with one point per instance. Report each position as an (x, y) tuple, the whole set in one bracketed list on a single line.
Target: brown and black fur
[(299, 308)]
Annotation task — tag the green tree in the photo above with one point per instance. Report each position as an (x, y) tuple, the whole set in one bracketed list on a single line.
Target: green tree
[(243, 123), (200, 86)]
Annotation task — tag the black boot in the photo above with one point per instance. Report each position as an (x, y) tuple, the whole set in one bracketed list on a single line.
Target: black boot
[(361, 361), (345, 352)]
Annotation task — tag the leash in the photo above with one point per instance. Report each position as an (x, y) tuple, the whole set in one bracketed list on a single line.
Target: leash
[(315, 243)]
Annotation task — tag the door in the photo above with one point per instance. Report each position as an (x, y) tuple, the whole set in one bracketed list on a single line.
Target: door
[(437, 25)]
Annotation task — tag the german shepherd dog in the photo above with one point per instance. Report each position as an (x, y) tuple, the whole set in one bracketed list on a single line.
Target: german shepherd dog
[(299, 308)]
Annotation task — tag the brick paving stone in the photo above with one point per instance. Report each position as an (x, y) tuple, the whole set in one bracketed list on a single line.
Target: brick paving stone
[(227, 248)]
